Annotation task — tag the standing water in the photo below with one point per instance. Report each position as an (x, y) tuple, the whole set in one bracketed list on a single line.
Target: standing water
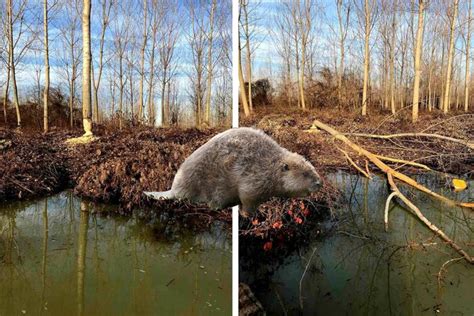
[(58, 260), (359, 269)]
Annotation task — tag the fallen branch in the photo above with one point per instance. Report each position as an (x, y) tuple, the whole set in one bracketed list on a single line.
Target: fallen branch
[(387, 205), (451, 139), (405, 162), (391, 174), (430, 225), (354, 164), (385, 168)]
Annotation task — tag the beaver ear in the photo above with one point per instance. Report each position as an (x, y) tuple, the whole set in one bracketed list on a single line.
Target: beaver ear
[(285, 167)]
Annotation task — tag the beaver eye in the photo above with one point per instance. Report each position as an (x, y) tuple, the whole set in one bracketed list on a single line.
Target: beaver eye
[(285, 167), (306, 174)]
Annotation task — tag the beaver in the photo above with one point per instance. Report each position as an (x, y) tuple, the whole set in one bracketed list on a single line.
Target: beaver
[(241, 166)]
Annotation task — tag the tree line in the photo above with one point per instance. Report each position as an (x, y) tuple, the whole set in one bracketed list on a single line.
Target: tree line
[(366, 54), (155, 62)]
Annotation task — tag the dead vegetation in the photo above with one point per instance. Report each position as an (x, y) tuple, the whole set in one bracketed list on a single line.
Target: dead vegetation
[(449, 151)]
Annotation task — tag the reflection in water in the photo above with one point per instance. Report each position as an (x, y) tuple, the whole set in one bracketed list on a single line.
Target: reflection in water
[(81, 256), (59, 256), (360, 269)]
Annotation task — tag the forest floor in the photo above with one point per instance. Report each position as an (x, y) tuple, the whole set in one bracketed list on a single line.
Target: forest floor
[(120, 165)]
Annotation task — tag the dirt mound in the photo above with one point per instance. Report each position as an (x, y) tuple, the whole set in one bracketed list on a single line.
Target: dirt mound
[(150, 167), (30, 166)]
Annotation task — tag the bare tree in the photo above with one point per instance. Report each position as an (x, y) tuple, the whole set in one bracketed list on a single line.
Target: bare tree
[(169, 36), (106, 6), (142, 61), (452, 14), (419, 43), (468, 62), (13, 18), (343, 15), (70, 37), (86, 68), (46, 67), (367, 15)]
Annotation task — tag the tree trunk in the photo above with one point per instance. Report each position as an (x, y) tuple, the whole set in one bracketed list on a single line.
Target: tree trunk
[(46, 68), (366, 58), (468, 62), (142, 63), (12, 61), (450, 58), (209, 64), (105, 17), (151, 112), (419, 44), (5, 96), (243, 95), (392, 60), (86, 68)]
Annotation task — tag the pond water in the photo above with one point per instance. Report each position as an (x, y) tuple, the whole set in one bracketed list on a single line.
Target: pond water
[(359, 269), (58, 260)]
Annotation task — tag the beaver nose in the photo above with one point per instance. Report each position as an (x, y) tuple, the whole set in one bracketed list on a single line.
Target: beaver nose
[(316, 185)]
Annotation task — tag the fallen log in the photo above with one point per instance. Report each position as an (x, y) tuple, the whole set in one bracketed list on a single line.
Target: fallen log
[(451, 139)]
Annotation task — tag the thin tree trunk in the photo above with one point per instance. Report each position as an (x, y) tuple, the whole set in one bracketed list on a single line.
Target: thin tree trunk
[(5, 96), (419, 44), (142, 63), (86, 69), (209, 64), (468, 62), (366, 58), (248, 55), (450, 58), (151, 112), (105, 17), (46, 68), (121, 90), (243, 95), (12, 61), (392, 60)]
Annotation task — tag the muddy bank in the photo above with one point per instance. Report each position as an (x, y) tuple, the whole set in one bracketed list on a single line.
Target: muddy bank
[(116, 168)]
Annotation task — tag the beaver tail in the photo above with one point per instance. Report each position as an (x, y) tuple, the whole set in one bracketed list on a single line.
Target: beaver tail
[(164, 195)]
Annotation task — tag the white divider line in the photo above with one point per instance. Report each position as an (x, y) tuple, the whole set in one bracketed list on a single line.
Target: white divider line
[(235, 124)]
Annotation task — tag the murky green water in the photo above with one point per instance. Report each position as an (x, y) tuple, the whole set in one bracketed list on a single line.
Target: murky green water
[(57, 260), (362, 270)]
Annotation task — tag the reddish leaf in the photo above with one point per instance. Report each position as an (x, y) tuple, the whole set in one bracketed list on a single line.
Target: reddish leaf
[(268, 246)]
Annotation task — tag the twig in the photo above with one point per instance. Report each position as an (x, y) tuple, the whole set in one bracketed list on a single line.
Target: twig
[(406, 162), (302, 277), (354, 164), (440, 273), (387, 205)]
